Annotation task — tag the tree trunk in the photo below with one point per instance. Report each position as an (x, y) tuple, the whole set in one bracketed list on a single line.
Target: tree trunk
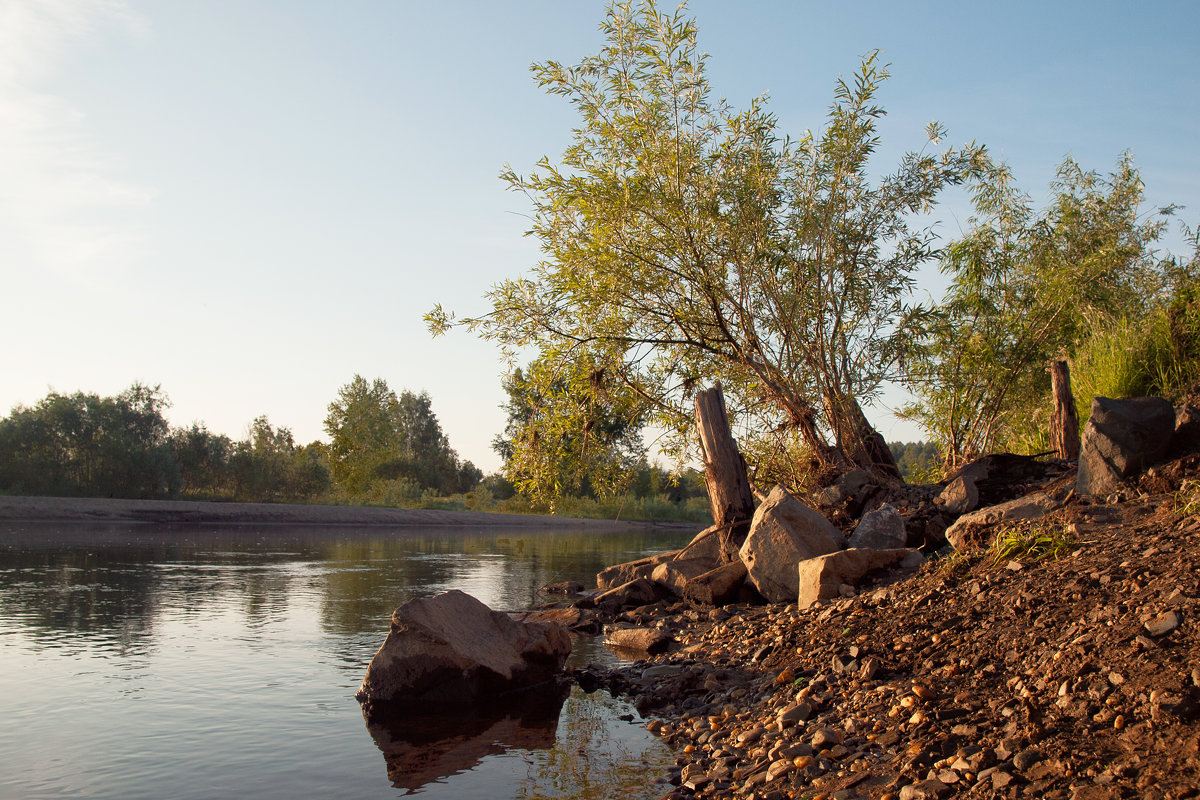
[(729, 493), (1064, 421), (862, 445)]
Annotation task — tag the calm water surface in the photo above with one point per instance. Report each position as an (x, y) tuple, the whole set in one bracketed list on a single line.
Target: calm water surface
[(140, 662)]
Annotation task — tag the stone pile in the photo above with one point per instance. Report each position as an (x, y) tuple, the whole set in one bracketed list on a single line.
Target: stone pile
[(1075, 679)]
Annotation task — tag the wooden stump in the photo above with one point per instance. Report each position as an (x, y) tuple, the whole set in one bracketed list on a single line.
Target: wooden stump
[(729, 494), (1064, 421)]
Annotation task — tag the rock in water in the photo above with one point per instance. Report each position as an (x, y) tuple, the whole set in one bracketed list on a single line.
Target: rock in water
[(1122, 438), (783, 533), (453, 650)]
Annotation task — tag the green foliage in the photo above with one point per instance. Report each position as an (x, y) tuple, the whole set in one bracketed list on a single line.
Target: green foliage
[(122, 446), (268, 466), (688, 242), (84, 444), (1187, 498), (378, 438), (1030, 543), (918, 462), (569, 432), (1028, 288), (1157, 354)]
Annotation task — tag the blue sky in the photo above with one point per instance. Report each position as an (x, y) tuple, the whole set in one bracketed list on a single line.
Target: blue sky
[(249, 202)]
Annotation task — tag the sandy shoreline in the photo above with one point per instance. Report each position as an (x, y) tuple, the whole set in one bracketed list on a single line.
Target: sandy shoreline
[(189, 512)]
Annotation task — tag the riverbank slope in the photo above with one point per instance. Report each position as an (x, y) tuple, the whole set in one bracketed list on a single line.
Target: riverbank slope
[(1076, 678)]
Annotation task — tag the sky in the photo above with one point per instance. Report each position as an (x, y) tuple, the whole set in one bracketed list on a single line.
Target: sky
[(249, 202)]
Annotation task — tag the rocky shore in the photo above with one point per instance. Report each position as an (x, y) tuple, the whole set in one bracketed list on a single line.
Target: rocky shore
[(1070, 674)]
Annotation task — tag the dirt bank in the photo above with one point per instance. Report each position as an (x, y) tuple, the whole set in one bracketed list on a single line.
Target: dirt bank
[(1073, 679), (186, 512)]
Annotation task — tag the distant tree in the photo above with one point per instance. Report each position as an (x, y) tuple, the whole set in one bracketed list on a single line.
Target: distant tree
[(268, 466), (686, 242), (918, 462), (376, 435), (570, 432), (205, 461), (84, 444)]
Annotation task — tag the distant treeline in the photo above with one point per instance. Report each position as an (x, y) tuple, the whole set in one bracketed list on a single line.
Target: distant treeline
[(82, 444), (919, 462), (384, 449)]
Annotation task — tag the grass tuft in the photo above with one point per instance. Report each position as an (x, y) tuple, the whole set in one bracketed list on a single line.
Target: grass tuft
[(1029, 544)]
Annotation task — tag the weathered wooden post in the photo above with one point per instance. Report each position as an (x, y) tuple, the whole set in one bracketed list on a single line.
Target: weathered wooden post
[(1064, 421), (729, 493)]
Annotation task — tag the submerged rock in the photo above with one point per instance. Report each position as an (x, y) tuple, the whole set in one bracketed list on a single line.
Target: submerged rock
[(453, 650), (427, 746)]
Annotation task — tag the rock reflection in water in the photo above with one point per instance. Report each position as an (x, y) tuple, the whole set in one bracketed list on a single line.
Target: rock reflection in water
[(421, 748)]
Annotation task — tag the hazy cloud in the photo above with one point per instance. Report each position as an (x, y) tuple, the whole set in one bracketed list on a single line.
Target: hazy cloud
[(63, 204)]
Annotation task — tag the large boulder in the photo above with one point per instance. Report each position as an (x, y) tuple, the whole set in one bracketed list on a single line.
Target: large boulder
[(823, 577), (881, 529), (1122, 438), (960, 496), (1186, 439), (453, 650), (674, 575), (705, 548), (717, 587), (972, 531), (784, 531)]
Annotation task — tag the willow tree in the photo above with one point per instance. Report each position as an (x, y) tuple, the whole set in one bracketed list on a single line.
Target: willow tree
[(686, 242), (1029, 287)]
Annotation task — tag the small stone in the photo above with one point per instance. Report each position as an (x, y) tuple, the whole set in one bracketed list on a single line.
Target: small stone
[(1001, 779), (870, 668), (778, 768), (795, 750), (1006, 748), (825, 737), (1163, 624), (929, 789), (694, 777), (751, 736), (1026, 759), (794, 713), (1116, 678)]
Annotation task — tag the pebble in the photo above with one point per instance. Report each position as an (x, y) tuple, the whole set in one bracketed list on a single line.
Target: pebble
[(1163, 624)]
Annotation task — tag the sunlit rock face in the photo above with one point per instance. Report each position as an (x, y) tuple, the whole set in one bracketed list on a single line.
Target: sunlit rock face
[(783, 533), (452, 650)]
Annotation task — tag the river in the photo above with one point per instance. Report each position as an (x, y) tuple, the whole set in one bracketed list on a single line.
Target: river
[(141, 661)]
